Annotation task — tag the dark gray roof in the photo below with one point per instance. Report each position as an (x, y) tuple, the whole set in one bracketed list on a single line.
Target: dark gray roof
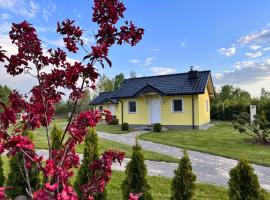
[(102, 98), (172, 84)]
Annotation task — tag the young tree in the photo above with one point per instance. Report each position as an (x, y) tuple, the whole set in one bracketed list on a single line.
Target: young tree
[(259, 129), (105, 84), (53, 73), (2, 177), (244, 184), (56, 135), (16, 177), (90, 154), (132, 74), (118, 81), (183, 183), (136, 172)]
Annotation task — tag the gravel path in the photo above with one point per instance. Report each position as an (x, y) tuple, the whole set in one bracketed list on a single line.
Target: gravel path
[(208, 168)]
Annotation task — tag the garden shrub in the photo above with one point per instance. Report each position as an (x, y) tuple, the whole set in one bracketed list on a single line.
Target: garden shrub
[(157, 127), (90, 154), (2, 177), (244, 184), (125, 126), (136, 172), (16, 175), (56, 135), (183, 183), (114, 121)]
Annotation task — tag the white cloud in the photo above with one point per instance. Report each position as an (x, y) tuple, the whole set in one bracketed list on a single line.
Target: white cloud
[(4, 16), (266, 49), (28, 9), (162, 70), (183, 44), (148, 61), (255, 47), (254, 54), (154, 49), (256, 37), (5, 27), (227, 51), (134, 61), (58, 42)]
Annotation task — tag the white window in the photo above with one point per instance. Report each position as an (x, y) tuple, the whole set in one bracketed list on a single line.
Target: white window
[(177, 105), (132, 107), (207, 105)]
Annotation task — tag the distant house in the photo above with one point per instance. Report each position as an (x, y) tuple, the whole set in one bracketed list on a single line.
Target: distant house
[(175, 100)]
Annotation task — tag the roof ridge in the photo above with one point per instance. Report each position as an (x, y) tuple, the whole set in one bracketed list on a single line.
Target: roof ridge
[(165, 75)]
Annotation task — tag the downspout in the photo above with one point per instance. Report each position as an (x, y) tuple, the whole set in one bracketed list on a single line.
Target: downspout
[(122, 111), (193, 115)]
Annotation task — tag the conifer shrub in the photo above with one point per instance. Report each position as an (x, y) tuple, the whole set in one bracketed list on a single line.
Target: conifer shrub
[(183, 183), (157, 127), (16, 175), (2, 177), (90, 154), (125, 126), (244, 183), (136, 172), (56, 135)]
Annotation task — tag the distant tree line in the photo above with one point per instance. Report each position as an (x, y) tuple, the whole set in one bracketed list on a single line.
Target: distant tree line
[(232, 100)]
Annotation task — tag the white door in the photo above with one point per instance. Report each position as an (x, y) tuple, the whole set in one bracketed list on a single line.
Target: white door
[(112, 109), (154, 111)]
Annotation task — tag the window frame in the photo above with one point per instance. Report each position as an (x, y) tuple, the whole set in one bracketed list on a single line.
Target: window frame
[(132, 112), (172, 105)]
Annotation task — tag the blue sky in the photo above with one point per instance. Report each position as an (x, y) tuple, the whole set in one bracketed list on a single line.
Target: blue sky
[(230, 38)]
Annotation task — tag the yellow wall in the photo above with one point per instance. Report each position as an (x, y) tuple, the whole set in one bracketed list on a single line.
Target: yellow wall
[(168, 117), (204, 115)]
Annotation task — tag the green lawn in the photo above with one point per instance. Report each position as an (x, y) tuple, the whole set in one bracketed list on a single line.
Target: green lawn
[(40, 141), (160, 187), (114, 129), (220, 140)]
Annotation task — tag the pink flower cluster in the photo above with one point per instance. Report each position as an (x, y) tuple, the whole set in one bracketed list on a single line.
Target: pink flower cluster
[(37, 107)]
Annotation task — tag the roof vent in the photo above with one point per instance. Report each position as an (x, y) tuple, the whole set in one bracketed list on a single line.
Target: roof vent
[(192, 74)]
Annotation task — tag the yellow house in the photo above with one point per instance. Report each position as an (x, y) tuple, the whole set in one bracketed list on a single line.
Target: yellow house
[(175, 100)]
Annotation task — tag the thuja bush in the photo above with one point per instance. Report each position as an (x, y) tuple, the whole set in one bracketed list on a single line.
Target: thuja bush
[(16, 177), (244, 183), (90, 154), (54, 73), (136, 172), (56, 135), (2, 177), (125, 126), (183, 183), (157, 127)]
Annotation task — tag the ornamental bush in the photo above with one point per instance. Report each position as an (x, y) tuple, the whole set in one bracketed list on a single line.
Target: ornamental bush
[(244, 183), (125, 126), (56, 135), (183, 183), (2, 177), (136, 172), (16, 177), (157, 127), (114, 121), (90, 154)]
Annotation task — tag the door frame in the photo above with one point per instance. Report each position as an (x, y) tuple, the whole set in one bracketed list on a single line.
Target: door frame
[(150, 116)]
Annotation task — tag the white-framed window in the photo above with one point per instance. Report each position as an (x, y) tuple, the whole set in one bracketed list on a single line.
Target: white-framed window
[(207, 105), (132, 107), (177, 105)]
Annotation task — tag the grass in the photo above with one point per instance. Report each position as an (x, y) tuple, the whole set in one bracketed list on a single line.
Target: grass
[(160, 187), (40, 142), (220, 140), (113, 129)]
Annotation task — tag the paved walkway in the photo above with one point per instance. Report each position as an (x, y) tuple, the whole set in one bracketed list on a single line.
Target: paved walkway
[(208, 168)]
